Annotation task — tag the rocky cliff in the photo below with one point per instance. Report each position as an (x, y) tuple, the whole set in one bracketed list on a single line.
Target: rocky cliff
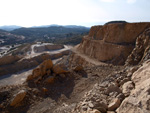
[(112, 43), (141, 52), (126, 91)]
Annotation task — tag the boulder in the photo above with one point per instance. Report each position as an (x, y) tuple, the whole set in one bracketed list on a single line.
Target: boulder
[(30, 77), (48, 72), (50, 79), (57, 69), (142, 76), (139, 99), (101, 106), (112, 88), (127, 87), (45, 90), (124, 81), (43, 69), (110, 112), (78, 68), (19, 97), (46, 65), (93, 111), (114, 105), (36, 72)]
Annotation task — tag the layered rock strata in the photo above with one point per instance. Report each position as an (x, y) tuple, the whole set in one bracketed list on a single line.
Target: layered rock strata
[(112, 43)]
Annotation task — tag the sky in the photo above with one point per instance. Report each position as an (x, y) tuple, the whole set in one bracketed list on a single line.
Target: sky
[(29, 13)]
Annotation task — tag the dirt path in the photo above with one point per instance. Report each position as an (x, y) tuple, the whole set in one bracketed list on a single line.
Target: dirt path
[(18, 78), (14, 79), (87, 58)]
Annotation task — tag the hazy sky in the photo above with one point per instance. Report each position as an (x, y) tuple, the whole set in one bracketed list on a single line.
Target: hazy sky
[(72, 12)]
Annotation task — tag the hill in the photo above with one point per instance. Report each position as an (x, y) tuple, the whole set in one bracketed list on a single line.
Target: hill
[(52, 31), (7, 38), (9, 27), (55, 34)]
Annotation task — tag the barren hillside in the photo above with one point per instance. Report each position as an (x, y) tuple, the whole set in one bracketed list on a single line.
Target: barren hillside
[(108, 72)]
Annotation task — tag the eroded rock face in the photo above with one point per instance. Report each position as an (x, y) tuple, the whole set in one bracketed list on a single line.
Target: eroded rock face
[(45, 66), (139, 99), (141, 52), (45, 73), (112, 43), (106, 52), (118, 33), (42, 70), (113, 105)]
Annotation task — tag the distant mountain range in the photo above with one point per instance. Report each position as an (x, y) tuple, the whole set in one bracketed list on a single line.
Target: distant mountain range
[(50, 33), (13, 27), (9, 27)]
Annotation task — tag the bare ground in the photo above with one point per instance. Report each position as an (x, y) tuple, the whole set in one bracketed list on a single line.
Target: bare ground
[(83, 82), (64, 95)]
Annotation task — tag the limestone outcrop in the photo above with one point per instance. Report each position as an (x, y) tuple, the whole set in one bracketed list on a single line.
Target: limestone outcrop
[(112, 43), (45, 73), (138, 100), (141, 52), (105, 52)]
